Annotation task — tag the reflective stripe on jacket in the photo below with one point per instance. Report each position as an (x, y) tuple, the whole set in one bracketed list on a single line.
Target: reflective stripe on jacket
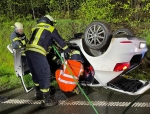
[(36, 48), (37, 31), (18, 40), (75, 55), (64, 77), (23, 41), (42, 37)]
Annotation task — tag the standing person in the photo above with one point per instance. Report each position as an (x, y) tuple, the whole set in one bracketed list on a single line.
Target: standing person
[(19, 39), (41, 39)]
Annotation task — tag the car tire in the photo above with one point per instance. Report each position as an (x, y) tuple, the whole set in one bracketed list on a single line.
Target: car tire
[(97, 35), (123, 31)]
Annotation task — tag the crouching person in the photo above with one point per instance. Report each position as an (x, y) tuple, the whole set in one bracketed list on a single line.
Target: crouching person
[(68, 76)]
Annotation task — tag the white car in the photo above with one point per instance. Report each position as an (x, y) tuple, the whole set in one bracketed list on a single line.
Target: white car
[(110, 55)]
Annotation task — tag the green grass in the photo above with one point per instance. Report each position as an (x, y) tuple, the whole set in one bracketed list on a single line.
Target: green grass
[(9, 81), (146, 35), (67, 28), (28, 81)]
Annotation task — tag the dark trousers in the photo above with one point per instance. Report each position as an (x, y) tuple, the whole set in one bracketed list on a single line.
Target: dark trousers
[(24, 60), (39, 68)]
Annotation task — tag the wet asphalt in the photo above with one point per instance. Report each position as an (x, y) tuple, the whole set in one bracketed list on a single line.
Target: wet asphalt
[(105, 102)]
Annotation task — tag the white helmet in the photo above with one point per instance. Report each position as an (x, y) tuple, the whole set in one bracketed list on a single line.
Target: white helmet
[(18, 25), (50, 18)]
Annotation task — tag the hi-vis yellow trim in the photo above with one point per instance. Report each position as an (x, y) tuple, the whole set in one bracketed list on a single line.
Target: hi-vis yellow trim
[(54, 58), (41, 26), (23, 54), (65, 47), (33, 29), (36, 84), (45, 90), (75, 52), (45, 26), (23, 42), (15, 39), (36, 48), (38, 35)]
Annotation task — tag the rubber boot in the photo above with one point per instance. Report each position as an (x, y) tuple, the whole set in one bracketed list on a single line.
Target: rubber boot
[(38, 93), (76, 91), (52, 90), (48, 100), (3, 99)]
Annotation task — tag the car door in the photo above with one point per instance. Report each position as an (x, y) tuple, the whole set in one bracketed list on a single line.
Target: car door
[(20, 66)]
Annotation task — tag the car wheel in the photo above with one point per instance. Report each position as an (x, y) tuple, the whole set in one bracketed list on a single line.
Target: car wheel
[(123, 31), (97, 35)]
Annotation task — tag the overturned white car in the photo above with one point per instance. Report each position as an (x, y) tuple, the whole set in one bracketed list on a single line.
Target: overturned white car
[(110, 55)]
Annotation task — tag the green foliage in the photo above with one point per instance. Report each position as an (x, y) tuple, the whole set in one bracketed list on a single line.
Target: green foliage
[(145, 34), (73, 16), (28, 81), (7, 74), (67, 28), (95, 10), (9, 82)]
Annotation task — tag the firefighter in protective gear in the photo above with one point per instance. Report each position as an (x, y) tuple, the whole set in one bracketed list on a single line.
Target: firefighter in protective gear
[(70, 72), (18, 39), (42, 37)]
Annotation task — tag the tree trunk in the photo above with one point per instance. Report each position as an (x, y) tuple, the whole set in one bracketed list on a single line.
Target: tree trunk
[(68, 8), (33, 12)]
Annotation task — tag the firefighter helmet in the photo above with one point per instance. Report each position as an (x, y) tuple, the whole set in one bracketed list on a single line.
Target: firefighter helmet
[(50, 18), (47, 19), (18, 25)]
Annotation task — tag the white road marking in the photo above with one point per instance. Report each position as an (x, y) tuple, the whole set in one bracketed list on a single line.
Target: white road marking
[(83, 103)]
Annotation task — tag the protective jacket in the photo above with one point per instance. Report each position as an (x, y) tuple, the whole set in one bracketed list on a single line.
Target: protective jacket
[(74, 55), (69, 75), (42, 38), (18, 40)]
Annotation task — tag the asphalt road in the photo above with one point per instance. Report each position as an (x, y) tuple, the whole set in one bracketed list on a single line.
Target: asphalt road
[(104, 101)]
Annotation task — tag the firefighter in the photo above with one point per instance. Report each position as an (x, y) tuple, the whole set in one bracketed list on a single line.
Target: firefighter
[(41, 39), (18, 39), (70, 72)]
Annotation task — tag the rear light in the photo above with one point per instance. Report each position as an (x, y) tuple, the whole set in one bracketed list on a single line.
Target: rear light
[(121, 66), (142, 45), (125, 42)]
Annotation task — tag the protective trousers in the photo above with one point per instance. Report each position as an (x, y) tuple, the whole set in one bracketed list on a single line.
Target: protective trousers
[(40, 69)]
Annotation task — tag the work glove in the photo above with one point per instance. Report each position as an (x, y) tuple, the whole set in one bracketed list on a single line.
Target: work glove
[(67, 55), (59, 62), (56, 60)]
